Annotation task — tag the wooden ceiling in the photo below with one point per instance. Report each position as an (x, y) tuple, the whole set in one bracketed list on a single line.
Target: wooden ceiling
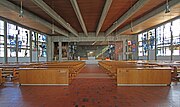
[(91, 11)]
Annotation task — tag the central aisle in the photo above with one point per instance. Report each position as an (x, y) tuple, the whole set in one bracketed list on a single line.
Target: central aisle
[(92, 71), (93, 87)]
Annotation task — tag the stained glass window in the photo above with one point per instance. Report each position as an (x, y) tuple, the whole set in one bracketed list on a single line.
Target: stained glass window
[(151, 39), (42, 45), (176, 36), (23, 42), (1, 38), (11, 39), (1, 27), (164, 40)]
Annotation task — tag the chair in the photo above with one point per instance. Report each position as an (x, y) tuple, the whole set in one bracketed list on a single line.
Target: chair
[(175, 76)]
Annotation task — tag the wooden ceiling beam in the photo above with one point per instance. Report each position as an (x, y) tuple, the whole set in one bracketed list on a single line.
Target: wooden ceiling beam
[(103, 15), (55, 16), (32, 16), (79, 16), (149, 15), (126, 15)]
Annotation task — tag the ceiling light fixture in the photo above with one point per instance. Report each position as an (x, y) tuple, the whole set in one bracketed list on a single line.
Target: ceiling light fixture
[(131, 26), (167, 10), (53, 28), (21, 10)]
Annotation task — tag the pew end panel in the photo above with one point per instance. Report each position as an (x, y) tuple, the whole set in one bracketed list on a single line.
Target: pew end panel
[(143, 77), (43, 76)]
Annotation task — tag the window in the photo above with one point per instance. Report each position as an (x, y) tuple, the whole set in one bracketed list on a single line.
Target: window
[(11, 40), (34, 46), (164, 40), (1, 38), (18, 44), (41, 45), (145, 45), (1, 27), (151, 39), (23, 42), (176, 36), (1, 46), (142, 44), (167, 37)]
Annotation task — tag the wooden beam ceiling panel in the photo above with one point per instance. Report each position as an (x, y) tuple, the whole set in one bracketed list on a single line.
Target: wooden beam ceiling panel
[(25, 21), (152, 19), (31, 7), (65, 10), (91, 12), (135, 8), (150, 6), (117, 9), (55, 16), (103, 15), (79, 16)]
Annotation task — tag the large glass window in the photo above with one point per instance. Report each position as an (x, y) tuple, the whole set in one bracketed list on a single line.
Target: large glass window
[(151, 39), (23, 42), (34, 46), (176, 36), (167, 39), (164, 40), (18, 44), (145, 45), (11, 42), (1, 46), (140, 49), (41, 45), (1, 41), (146, 41), (1, 27)]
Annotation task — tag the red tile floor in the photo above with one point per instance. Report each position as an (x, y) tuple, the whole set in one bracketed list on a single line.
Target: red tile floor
[(89, 92)]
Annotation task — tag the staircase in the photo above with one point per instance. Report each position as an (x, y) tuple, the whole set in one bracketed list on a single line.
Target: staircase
[(103, 51)]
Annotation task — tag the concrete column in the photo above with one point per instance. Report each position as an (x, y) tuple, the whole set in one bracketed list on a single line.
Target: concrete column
[(17, 45), (155, 40), (5, 42), (37, 47), (49, 49), (30, 33), (171, 42), (60, 51)]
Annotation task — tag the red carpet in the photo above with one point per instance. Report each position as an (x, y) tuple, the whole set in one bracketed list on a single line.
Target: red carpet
[(92, 71)]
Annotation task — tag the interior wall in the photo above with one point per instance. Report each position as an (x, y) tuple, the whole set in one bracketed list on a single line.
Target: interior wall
[(122, 38)]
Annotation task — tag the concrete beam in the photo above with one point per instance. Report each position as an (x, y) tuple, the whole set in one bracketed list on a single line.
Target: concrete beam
[(79, 16), (103, 15), (91, 38), (148, 16), (54, 15), (127, 15), (32, 16)]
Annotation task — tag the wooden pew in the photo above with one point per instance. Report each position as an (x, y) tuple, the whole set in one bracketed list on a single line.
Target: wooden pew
[(175, 75), (159, 76), (1, 79), (73, 67), (43, 76), (111, 66)]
